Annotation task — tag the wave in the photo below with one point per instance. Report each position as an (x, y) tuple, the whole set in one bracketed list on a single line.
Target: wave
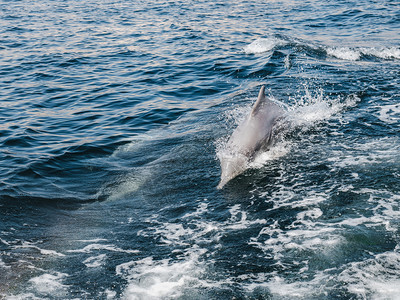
[(344, 53), (348, 53), (262, 45)]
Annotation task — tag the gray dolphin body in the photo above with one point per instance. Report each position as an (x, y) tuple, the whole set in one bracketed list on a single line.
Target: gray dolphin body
[(254, 135)]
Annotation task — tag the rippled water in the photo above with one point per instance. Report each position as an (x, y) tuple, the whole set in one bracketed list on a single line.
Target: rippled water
[(112, 114)]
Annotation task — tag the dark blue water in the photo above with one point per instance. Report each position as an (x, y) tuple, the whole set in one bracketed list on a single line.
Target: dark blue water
[(112, 114)]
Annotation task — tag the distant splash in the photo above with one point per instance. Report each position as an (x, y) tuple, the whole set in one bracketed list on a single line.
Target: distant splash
[(262, 45), (347, 53), (344, 53)]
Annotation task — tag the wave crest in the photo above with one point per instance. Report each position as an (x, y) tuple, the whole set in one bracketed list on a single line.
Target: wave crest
[(263, 45)]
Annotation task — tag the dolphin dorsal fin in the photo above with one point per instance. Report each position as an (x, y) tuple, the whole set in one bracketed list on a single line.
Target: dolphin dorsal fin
[(260, 101)]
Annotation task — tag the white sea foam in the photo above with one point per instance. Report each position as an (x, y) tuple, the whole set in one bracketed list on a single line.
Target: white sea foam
[(345, 53), (353, 54), (280, 149), (366, 153), (309, 235), (173, 233), (201, 209), (263, 45), (389, 113), (281, 288), (287, 62), (150, 278), (239, 219), (305, 235), (96, 247), (3, 265), (50, 283), (385, 53), (375, 278), (92, 240), (95, 261), (197, 230), (110, 294), (4, 242), (159, 279), (42, 251), (307, 238), (23, 296)]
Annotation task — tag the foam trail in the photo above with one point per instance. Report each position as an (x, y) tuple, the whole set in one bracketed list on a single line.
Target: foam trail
[(370, 278), (96, 247), (95, 261), (42, 251), (49, 283), (151, 279)]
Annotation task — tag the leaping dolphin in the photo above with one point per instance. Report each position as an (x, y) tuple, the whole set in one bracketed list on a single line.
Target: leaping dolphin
[(254, 135)]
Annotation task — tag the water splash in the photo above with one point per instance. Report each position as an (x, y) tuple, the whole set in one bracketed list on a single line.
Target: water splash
[(263, 45), (353, 54)]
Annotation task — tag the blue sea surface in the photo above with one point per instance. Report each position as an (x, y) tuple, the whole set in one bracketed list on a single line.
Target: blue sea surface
[(113, 114)]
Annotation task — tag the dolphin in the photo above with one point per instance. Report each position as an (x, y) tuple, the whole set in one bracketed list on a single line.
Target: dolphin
[(253, 136)]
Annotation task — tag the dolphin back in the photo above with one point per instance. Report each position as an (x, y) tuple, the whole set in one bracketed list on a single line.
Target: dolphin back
[(253, 135)]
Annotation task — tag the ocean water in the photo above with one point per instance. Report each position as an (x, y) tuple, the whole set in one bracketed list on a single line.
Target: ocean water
[(112, 116)]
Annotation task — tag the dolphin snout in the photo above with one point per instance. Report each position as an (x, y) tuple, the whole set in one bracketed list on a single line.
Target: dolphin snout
[(231, 166)]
